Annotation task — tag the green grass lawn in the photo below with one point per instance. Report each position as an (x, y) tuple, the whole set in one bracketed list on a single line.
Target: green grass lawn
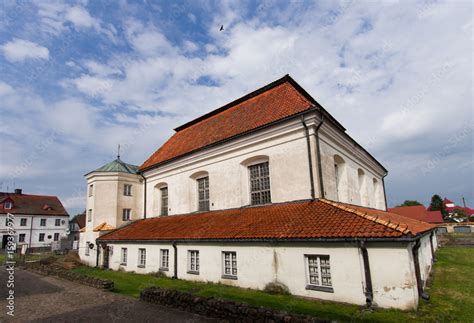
[(451, 291)]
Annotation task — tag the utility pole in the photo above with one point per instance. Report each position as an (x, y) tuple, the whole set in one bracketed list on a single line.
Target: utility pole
[(464, 201)]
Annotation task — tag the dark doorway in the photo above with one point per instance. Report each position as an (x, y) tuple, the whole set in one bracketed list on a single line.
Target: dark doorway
[(4, 241), (105, 263)]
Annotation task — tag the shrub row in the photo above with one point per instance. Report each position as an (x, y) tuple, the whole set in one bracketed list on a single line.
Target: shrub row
[(218, 308), (49, 270)]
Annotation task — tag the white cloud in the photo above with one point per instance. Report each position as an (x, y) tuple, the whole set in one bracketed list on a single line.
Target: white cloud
[(80, 17), (18, 50)]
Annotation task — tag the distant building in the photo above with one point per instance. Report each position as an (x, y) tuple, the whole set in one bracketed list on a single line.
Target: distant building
[(39, 220), (75, 225), (451, 208), (418, 212)]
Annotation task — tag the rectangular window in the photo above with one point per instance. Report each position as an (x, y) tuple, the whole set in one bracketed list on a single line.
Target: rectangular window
[(260, 184), (319, 273), (43, 222), (57, 222), (164, 201), (193, 262), (8, 205), (56, 237), (41, 237), (229, 259), (164, 259), (87, 248), (23, 222), (123, 261), (126, 214), (141, 257), (127, 190), (89, 215), (203, 193), (91, 190), (21, 237)]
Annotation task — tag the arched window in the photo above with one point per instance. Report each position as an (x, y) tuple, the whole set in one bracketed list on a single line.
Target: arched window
[(338, 173), (362, 189), (376, 192), (259, 179), (202, 186), (160, 198)]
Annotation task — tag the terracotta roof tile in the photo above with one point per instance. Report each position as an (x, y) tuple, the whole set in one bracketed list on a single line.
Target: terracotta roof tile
[(104, 227), (295, 220), (272, 103), (418, 212)]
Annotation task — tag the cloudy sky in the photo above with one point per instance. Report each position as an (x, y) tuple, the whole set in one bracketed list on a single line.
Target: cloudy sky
[(78, 78)]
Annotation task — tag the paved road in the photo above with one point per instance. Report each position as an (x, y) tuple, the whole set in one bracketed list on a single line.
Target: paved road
[(47, 299)]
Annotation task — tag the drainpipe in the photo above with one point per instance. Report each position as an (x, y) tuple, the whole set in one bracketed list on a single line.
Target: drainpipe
[(384, 193), (419, 282), (31, 230), (433, 258), (318, 155), (175, 276), (310, 161), (97, 253), (369, 293), (144, 196)]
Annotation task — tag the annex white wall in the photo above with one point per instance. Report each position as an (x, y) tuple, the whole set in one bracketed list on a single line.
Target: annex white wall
[(394, 282)]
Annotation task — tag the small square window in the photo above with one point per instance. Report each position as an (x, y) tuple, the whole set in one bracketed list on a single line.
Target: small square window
[(57, 222), (127, 190), (8, 205), (21, 237), (23, 222), (229, 264), (43, 222), (318, 273), (41, 237), (193, 262)]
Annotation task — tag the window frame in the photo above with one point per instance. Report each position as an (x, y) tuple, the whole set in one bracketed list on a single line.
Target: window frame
[(41, 237), (232, 267), (23, 222), (204, 189), (129, 214), (320, 286), (193, 261), (123, 256), (91, 190), (164, 259), (43, 222), (20, 236), (163, 207), (8, 205), (259, 178), (56, 236), (89, 215), (141, 257), (57, 222), (127, 189), (87, 251)]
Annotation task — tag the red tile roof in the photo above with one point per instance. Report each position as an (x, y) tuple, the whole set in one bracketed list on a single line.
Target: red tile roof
[(295, 220), (32, 204), (274, 102), (418, 212)]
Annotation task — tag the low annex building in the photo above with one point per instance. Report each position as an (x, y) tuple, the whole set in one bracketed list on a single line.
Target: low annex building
[(38, 220), (266, 189)]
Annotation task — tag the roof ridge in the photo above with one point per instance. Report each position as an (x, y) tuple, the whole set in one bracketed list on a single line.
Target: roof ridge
[(395, 226)]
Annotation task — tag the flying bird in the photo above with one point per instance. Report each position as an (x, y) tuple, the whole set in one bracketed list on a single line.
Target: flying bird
[(222, 28)]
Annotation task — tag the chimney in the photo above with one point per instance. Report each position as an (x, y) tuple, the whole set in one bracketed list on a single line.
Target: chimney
[(18, 191)]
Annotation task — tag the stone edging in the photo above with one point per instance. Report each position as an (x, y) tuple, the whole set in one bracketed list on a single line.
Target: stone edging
[(218, 308), (99, 283)]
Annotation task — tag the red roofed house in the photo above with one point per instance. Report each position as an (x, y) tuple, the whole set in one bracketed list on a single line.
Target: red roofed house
[(451, 208), (38, 220), (266, 189), (418, 212)]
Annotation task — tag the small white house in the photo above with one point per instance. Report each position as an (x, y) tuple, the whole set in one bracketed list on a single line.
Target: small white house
[(266, 189), (38, 220)]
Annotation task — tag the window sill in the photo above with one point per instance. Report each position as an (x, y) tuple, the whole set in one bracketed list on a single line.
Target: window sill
[(325, 289), (229, 277), (141, 266), (163, 269), (193, 272)]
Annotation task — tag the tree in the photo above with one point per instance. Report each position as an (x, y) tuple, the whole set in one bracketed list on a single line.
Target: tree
[(410, 203), (438, 205), (459, 213)]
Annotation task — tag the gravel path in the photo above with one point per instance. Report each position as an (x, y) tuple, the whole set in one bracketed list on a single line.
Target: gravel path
[(48, 299)]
